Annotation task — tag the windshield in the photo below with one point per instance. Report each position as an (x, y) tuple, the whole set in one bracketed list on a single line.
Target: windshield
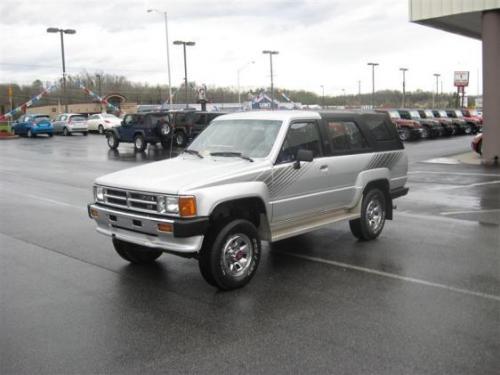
[(459, 113), (394, 114), (253, 138), (41, 118), (414, 114), (443, 114), (428, 113)]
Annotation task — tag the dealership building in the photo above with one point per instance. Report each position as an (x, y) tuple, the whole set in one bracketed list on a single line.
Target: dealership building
[(478, 19)]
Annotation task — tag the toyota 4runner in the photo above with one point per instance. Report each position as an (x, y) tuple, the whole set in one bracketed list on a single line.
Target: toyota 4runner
[(252, 177)]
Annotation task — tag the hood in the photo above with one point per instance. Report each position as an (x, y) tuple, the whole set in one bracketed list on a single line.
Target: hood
[(183, 174)]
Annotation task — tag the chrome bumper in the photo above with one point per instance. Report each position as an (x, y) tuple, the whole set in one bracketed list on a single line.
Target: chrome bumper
[(142, 230)]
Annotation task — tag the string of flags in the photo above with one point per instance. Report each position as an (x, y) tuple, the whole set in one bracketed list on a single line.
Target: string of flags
[(29, 103), (103, 101), (46, 91)]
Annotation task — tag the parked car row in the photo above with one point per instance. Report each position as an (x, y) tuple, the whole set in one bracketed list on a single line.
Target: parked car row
[(66, 124), (172, 128), (413, 124)]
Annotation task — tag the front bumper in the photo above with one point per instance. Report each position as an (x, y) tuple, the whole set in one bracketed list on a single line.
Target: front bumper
[(142, 229)]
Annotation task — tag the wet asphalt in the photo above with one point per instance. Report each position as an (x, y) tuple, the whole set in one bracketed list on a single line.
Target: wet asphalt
[(424, 298)]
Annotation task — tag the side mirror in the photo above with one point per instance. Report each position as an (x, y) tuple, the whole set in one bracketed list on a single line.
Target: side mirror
[(303, 155)]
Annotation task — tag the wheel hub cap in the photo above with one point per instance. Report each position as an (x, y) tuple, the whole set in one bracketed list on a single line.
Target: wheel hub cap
[(237, 254), (374, 214)]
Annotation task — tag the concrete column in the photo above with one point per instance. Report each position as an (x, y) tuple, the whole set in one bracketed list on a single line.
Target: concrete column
[(491, 87)]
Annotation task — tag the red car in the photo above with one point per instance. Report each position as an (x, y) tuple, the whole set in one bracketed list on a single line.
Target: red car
[(477, 143), (472, 114), (408, 130)]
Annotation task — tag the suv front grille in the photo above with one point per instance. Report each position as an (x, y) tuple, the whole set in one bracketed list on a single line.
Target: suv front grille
[(131, 200)]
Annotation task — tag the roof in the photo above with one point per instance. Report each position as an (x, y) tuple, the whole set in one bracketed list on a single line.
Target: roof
[(291, 115)]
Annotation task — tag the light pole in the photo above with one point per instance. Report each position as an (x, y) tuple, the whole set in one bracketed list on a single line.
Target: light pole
[(184, 44), (61, 32), (359, 93), (271, 53), (238, 78), (373, 65), (404, 70), (322, 95), (170, 99), (344, 98), (98, 76), (435, 97)]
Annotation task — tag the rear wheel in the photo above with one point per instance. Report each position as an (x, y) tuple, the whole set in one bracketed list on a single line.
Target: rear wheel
[(468, 129), (404, 134), (136, 254), (139, 143), (373, 213), (112, 140), (230, 256), (66, 132), (85, 133), (100, 129), (29, 134)]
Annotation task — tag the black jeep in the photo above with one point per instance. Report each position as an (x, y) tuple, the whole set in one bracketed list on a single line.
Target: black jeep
[(187, 124), (141, 129)]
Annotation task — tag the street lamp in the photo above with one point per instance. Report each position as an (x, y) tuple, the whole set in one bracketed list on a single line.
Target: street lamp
[(61, 32), (170, 99), (373, 65), (271, 53), (344, 97), (323, 95), (184, 44), (404, 70), (238, 78), (435, 97)]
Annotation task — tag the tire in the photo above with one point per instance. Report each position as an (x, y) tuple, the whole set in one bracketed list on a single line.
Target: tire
[(66, 132), (468, 129), (30, 134), (404, 134), (100, 129), (426, 133), (140, 143), (50, 135), (220, 258), (112, 140), (135, 253), (180, 139), (85, 133), (373, 213)]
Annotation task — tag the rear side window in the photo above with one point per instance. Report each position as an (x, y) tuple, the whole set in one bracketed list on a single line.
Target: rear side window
[(345, 136), (77, 118), (301, 135), (379, 129)]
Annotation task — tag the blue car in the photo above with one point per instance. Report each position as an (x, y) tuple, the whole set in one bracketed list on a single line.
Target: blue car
[(32, 125)]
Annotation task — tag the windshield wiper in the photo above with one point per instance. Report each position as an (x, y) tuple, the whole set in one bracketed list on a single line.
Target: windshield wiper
[(193, 152), (230, 154)]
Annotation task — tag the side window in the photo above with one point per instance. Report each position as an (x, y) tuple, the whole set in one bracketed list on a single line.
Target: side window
[(405, 115), (301, 135), (345, 136), (128, 120), (379, 129)]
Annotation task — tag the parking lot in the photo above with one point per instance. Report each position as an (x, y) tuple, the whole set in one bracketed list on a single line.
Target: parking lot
[(424, 298)]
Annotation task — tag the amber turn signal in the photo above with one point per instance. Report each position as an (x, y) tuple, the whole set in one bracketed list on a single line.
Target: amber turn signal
[(166, 227), (94, 213), (187, 206)]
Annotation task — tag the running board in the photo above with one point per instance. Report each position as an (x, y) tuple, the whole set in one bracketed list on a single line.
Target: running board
[(308, 224)]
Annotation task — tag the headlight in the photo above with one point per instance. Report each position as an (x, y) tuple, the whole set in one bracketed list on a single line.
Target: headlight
[(168, 205), (99, 193)]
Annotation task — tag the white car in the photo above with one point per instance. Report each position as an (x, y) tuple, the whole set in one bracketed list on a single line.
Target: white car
[(102, 122)]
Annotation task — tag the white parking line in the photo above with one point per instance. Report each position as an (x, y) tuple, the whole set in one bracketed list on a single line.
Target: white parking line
[(456, 173), (470, 212), (48, 200), (468, 186), (393, 276)]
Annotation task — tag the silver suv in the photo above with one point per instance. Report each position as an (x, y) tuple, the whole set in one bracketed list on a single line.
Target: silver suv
[(250, 177)]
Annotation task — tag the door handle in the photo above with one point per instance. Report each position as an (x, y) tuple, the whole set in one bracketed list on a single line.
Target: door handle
[(323, 168)]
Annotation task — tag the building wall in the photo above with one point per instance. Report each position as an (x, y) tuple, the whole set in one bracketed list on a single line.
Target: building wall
[(54, 110), (424, 9)]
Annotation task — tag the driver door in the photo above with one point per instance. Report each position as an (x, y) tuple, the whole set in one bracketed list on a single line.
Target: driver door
[(297, 193)]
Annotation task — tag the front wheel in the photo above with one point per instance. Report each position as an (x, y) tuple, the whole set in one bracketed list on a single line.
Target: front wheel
[(100, 129), (229, 258), (373, 213), (404, 134), (85, 133), (139, 143), (468, 129), (180, 139), (112, 140), (136, 254), (66, 132), (30, 134)]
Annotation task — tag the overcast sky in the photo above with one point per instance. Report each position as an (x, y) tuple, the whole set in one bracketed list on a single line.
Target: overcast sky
[(320, 42)]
